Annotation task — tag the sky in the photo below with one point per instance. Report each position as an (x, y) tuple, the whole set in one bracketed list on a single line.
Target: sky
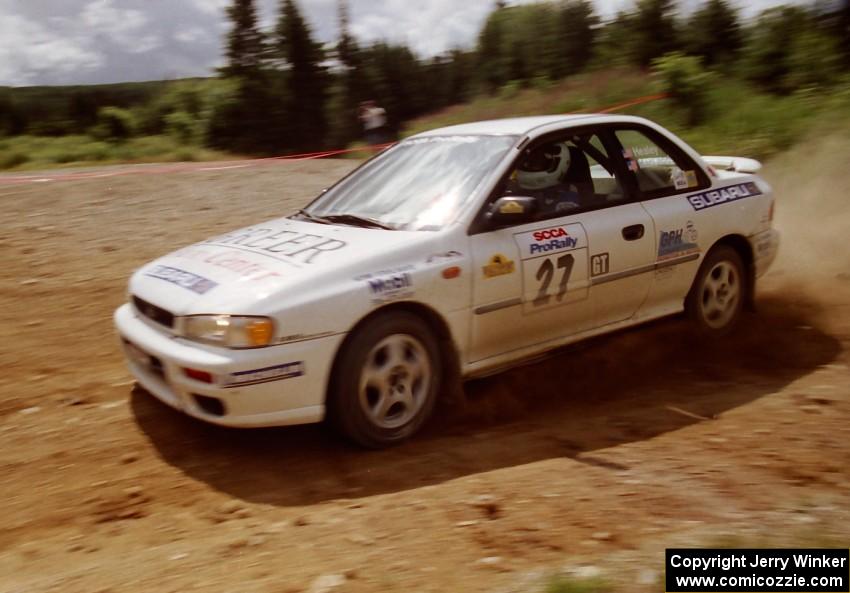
[(50, 42)]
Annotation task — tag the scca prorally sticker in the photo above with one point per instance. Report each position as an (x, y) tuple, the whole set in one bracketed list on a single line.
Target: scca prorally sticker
[(182, 278), (551, 240), (723, 195)]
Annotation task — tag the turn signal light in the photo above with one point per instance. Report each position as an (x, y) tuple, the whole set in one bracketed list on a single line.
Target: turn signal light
[(202, 376), (452, 272), (260, 332)]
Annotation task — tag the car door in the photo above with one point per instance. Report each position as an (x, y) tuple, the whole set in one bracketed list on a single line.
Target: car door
[(662, 175), (533, 281), (622, 232), (530, 286)]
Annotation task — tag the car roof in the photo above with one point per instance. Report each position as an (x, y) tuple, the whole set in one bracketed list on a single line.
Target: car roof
[(517, 125)]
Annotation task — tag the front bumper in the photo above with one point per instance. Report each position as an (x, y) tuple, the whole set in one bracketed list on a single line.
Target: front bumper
[(273, 386)]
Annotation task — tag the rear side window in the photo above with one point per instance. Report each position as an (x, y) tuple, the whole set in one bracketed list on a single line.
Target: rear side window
[(658, 170)]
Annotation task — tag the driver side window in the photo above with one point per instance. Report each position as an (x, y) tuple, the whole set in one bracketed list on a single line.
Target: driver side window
[(567, 175)]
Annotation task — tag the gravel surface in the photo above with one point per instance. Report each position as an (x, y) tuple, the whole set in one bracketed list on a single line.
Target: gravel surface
[(589, 463)]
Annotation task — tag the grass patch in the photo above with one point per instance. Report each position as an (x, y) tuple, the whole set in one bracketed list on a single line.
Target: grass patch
[(42, 152), (741, 120), (582, 93), (563, 584)]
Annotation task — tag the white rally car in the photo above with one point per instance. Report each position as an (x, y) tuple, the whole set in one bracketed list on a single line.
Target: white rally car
[(455, 253)]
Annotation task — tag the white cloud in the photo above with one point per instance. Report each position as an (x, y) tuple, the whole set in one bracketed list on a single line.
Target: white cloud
[(93, 41), (429, 28), (212, 7), (190, 35), (120, 25), (28, 50)]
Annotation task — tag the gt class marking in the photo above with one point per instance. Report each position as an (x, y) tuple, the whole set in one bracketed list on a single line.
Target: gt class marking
[(599, 264), (723, 195)]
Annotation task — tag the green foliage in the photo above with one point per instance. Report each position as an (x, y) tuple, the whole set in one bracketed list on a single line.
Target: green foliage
[(306, 80), (114, 124), (714, 33), (742, 119), (281, 92), (39, 152), (653, 31), (9, 159), (613, 47), (686, 82), (61, 110), (184, 127), (245, 48), (813, 60), (563, 584), (544, 40), (247, 116), (789, 49)]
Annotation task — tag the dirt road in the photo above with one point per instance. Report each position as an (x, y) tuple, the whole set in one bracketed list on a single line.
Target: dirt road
[(590, 463)]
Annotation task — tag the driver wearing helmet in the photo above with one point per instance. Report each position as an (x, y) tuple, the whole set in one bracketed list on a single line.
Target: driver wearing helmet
[(541, 173)]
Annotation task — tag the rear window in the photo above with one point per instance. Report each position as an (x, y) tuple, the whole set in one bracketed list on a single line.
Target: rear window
[(657, 171)]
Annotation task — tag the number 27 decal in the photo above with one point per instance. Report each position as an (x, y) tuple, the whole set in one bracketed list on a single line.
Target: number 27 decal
[(545, 274)]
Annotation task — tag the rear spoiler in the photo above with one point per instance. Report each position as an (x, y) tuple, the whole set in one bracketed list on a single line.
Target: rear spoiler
[(733, 163)]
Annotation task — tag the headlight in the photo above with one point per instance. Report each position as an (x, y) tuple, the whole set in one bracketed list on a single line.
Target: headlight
[(232, 331)]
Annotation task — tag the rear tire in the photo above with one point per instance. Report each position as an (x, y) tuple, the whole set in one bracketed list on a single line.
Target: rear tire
[(386, 381), (719, 292)]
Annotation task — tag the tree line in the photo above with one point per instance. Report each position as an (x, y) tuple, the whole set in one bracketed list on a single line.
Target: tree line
[(282, 91)]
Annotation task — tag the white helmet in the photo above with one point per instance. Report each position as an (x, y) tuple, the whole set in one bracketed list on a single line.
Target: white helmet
[(544, 166)]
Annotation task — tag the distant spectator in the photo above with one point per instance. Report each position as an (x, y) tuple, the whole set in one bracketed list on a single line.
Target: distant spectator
[(374, 120)]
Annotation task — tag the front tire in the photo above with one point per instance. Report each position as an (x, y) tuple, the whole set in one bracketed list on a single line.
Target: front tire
[(717, 296), (386, 380)]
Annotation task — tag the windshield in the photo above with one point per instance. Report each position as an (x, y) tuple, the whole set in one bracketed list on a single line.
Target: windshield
[(420, 184)]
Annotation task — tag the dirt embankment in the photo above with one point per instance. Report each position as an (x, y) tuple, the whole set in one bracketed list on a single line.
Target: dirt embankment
[(593, 461)]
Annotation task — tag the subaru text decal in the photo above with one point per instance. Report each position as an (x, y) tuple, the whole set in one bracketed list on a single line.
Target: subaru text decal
[(723, 195)]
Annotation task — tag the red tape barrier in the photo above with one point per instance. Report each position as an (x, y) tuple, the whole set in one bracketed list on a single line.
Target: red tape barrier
[(237, 164)]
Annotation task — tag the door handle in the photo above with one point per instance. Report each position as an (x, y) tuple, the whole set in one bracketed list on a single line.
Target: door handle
[(633, 232)]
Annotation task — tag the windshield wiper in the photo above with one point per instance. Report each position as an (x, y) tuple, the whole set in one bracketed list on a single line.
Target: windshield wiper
[(355, 220), (312, 217)]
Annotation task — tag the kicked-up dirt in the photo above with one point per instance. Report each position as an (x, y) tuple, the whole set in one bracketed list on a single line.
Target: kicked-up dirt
[(589, 463)]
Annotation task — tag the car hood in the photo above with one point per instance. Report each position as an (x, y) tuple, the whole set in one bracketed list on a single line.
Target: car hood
[(241, 270)]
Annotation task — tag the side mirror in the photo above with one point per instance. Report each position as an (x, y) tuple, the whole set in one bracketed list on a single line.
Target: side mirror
[(512, 210)]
